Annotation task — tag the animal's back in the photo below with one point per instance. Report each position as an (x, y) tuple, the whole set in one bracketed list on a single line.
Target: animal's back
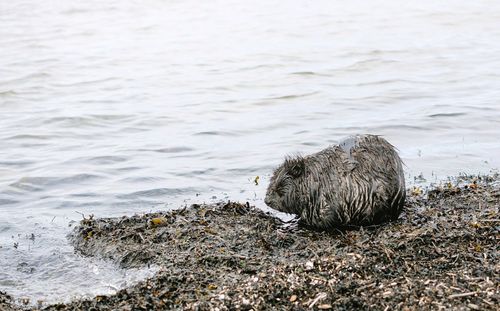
[(358, 182)]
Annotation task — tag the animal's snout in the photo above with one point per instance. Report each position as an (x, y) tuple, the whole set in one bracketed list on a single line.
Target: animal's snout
[(266, 200), (269, 200)]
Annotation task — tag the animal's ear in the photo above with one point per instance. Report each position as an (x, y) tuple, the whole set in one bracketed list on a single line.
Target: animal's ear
[(297, 167)]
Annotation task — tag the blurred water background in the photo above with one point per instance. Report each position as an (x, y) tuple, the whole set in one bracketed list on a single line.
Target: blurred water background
[(120, 107)]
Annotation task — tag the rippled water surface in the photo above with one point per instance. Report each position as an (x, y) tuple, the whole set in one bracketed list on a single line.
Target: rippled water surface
[(122, 107)]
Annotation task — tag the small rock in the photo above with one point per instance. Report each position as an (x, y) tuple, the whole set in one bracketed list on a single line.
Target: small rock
[(309, 265)]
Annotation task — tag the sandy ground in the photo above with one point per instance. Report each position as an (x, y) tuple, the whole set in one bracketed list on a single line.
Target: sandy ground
[(443, 253)]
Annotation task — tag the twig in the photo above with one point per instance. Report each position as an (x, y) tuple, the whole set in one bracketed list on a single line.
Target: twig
[(461, 295), (365, 286), (388, 256), (488, 302), (142, 238), (320, 296), (182, 210)]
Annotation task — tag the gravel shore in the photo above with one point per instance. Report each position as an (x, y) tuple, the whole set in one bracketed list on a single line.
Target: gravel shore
[(442, 253)]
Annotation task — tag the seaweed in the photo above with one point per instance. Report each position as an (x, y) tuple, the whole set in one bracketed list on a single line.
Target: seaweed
[(442, 253)]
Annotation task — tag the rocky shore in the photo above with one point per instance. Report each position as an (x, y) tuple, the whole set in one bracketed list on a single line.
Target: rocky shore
[(442, 253)]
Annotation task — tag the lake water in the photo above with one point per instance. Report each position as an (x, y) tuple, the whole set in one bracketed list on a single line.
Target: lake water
[(122, 107)]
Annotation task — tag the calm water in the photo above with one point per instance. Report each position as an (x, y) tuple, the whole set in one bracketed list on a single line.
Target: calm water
[(122, 107)]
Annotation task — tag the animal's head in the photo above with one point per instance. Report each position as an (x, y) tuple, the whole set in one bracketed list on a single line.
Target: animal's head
[(282, 193)]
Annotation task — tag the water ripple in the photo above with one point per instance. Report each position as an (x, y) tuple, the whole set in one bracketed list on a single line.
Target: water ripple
[(40, 183), (158, 192), (25, 78), (86, 82), (17, 163), (381, 128), (216, 133), (292, 96), (7, 202), (447, 115), (8, 93), (18, 137), (174, 149), (105, 160)]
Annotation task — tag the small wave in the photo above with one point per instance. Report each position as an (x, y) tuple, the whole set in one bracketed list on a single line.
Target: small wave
[(128, 168), (158, 192), (197, 155), (215, 133), (131, 129), (301, 132), (219, 88), (310, 144), (173, 150), (72, 11), (106, 159), (78, 178), (4, 228), (248, 170), (7, 93), (399, 127), (309, 73), (33, 184), (391, 81), (195, 173), (28, 77), (17, 164), (304, 73), (141, 179), (87, 82), (365, 64), (31, 137), (84, 195), (444, 115), (367, 53), (25, 186), (71, 121), (257, 67), (112, 117), (292, 96), (7, 202)]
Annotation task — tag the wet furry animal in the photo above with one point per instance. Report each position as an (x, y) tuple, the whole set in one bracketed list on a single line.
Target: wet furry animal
[(359, 182)]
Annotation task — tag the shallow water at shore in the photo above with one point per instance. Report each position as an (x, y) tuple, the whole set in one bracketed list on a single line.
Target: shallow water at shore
[(126, 107)]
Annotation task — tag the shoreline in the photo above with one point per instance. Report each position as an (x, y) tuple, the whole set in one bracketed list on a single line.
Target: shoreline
[(441, 253)]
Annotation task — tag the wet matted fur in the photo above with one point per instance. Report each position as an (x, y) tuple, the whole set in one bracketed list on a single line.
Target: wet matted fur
[(359, 182)]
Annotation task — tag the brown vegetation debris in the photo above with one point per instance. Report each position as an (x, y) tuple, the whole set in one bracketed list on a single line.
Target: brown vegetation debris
[(442, 253)]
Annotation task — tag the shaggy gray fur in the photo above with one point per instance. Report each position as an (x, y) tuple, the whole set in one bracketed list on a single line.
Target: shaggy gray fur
[(359, 182)]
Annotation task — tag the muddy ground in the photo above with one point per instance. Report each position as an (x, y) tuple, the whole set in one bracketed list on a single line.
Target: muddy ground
[(443, 253)]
